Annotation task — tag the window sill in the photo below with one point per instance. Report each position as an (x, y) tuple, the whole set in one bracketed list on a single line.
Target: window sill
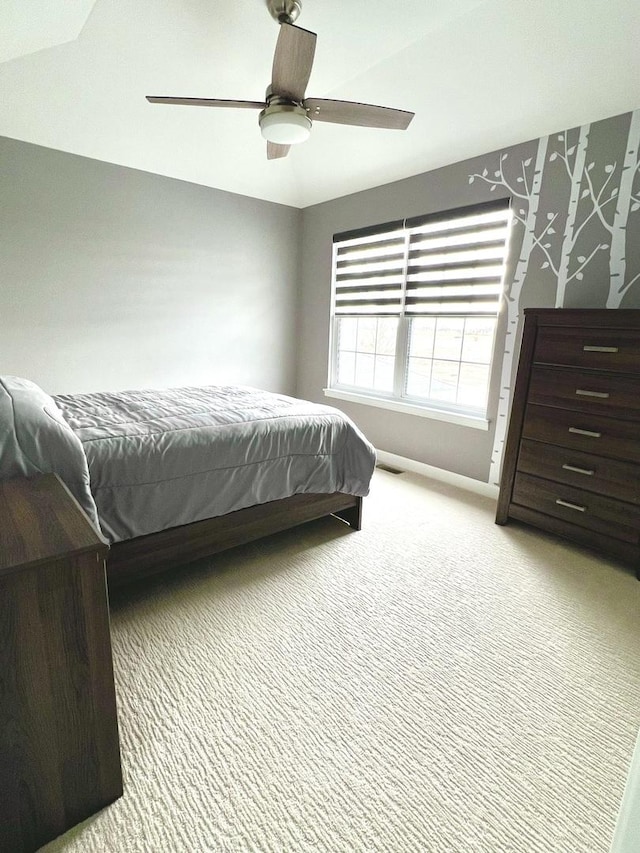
[(408, 408)]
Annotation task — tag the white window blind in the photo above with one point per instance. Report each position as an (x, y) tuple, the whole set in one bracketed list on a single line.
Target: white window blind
[(370, 274), (455, 265), (448, 263)]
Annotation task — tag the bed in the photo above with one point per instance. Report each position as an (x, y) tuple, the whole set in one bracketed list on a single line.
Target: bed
[(172, 475)]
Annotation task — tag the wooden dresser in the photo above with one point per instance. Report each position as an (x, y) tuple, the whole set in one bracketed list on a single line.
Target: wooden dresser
[(59, 750), (572, 456)]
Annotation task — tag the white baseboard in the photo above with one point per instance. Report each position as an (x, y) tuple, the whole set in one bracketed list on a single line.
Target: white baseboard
[(394, 461)]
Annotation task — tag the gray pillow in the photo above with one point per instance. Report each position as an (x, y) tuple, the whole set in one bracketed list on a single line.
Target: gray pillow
[(35, 439)]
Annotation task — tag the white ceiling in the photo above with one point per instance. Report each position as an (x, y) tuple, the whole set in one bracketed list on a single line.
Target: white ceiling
[(479, 74)]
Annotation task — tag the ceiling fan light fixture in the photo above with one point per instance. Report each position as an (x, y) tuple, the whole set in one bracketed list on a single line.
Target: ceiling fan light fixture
[(285, 125)]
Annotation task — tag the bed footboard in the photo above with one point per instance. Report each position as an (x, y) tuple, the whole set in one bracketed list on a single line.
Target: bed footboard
[(147, 555)]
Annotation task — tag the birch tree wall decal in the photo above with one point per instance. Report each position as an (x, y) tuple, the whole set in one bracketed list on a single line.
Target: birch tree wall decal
[(571, 233), (525, 210), (626, 204), (577, 173), (593, 190)]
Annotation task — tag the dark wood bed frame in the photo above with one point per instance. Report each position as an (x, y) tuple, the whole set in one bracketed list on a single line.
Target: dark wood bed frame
[(146, 555)]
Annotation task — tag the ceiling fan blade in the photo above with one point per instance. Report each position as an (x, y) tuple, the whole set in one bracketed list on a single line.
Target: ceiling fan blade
[(361, 115), (292, 62), (275, 151), (206, 102)]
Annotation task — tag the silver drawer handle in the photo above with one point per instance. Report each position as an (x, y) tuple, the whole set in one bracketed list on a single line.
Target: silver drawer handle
[(582, 393), (588, 432), (586, 471), (599, 349), (571, 506)]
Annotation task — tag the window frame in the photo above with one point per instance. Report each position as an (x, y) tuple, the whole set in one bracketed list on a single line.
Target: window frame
[(398, 400)]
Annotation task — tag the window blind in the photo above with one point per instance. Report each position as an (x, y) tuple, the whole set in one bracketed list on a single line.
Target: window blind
[(449, 263), (456, 265), (370, 274)]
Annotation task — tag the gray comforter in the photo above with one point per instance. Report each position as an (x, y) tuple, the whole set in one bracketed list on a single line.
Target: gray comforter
[(162, 458)]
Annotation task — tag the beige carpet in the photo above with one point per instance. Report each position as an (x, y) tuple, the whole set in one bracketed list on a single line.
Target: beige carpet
[(432, 683)]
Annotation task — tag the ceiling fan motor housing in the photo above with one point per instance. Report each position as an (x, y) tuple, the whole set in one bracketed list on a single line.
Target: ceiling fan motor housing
[(285, 11)]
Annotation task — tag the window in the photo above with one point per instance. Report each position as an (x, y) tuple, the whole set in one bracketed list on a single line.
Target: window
[(414, 309)]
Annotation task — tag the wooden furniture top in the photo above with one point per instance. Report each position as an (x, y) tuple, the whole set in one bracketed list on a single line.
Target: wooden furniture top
[(619, 318), (40, 520)]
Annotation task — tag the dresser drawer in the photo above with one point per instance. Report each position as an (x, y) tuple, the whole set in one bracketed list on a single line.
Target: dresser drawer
[(579, 507), (601, 393), (586, 471), (596, 348), (611, 437)]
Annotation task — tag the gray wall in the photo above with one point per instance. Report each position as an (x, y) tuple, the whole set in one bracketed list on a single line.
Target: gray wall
[(575, 243), (113, 278)]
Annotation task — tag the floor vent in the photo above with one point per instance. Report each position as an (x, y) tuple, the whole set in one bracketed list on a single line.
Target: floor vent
[(388, 468)]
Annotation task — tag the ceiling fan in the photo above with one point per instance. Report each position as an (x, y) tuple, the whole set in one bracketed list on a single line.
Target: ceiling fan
[(286, 115)]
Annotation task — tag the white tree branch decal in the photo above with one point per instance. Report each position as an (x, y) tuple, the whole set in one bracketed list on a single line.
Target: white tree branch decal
[(625, 205), (546, 247), (570, 232), (526, 215), (499, 179), (596, 197)]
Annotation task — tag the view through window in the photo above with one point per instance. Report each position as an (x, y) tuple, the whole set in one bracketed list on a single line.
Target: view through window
[(415, 308)]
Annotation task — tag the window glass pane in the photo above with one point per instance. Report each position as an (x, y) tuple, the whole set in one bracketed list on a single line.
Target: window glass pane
[(444, 381), (347, 330), (422, 334), (473, 384), (364, 370), (346, 367), (387, 332), (366, 352), (367, 327), (384, 368), (419, 377), (478, 339), (448, 343)]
